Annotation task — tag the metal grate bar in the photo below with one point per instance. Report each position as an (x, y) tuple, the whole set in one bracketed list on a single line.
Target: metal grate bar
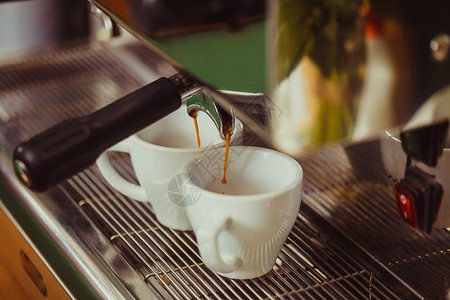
[(365, 211), (141, 246), (314, 283), (105, 212), (287, 285), (348, 194), (56, 68), (334, 266), (210, 278), (83, 190), (320, 277), (275, 286), (307, 271)]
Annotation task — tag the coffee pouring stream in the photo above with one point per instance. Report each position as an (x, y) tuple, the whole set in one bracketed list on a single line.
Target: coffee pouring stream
[(74, 144), (223, 120)]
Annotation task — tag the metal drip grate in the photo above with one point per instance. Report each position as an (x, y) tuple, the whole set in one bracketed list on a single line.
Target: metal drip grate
[(357, 197), (317, 261), (310, 266)]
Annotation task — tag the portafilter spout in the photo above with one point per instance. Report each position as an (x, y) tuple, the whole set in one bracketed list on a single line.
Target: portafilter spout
[(197, 99), (223, 119), (73, 145)]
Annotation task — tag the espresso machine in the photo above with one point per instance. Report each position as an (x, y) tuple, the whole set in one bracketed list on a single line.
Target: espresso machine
[(355, 91)]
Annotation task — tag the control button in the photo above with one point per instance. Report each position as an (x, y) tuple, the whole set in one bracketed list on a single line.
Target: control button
[(406, 204)]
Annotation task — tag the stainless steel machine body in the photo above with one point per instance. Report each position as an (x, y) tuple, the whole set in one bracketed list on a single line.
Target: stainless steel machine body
[(347, 242)]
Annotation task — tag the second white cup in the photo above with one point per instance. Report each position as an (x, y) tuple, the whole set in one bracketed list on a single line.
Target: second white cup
[(158, 155)]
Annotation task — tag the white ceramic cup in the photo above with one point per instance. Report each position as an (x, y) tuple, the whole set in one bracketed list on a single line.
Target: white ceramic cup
[(241, 225), (158, 155)]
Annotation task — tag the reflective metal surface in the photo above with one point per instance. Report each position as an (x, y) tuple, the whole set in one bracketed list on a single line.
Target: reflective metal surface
[(42, 23), (84, 78), (347, 242), (337, 70), (198, 36)]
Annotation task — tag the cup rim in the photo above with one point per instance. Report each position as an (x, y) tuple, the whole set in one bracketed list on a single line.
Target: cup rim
[(297, 180), (238, 131)]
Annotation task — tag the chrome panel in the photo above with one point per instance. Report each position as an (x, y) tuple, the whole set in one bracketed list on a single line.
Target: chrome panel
[(347, 242)]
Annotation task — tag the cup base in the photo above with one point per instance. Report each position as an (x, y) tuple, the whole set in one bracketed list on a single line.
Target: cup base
[(180, 226), (243, 275)]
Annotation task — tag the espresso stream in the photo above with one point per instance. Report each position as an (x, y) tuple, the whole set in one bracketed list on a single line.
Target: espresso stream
[(227, 147), (196, 130)]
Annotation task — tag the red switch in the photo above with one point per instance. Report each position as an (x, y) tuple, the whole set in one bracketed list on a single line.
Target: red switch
[(406, 204)]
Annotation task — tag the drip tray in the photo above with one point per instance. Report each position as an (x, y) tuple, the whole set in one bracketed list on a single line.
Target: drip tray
[(328, 254), (309, 266)]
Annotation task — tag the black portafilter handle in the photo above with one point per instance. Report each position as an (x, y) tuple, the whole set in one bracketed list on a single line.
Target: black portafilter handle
[(73, 145)]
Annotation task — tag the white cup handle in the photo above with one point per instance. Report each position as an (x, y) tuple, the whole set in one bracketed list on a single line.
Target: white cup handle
[(209, 245), (124, 186)]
